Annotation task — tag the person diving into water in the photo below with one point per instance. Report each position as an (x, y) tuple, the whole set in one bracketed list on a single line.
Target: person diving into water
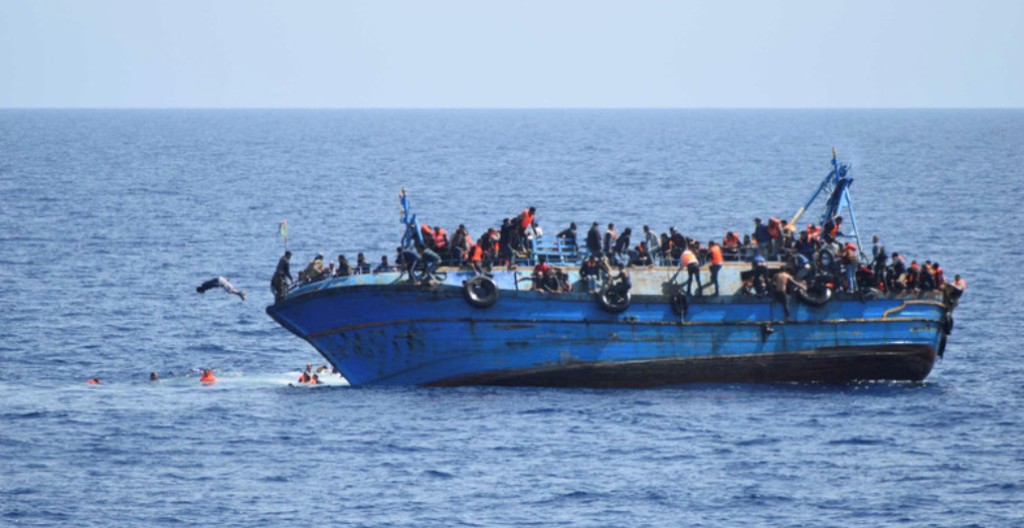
[(220, 282)]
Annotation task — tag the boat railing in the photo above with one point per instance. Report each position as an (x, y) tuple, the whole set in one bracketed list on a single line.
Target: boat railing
[(555, 250)]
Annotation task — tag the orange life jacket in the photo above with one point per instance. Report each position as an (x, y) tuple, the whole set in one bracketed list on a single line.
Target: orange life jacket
[(93, 381), (688, 257), (440, 238), (730, 241), (304, 378), (208, 377), (527, 219), (716, 255), (476, 253)]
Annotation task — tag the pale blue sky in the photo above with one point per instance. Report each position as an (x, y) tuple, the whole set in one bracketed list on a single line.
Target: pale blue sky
[(468, 54)]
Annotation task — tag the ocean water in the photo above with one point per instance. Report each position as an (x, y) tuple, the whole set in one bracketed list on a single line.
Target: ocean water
[(109, 219)]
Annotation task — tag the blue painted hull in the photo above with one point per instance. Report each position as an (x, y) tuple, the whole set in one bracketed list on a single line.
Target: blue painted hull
[(376, 330)]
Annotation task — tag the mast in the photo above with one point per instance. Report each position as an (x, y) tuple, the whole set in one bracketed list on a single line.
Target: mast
[(837, 187)]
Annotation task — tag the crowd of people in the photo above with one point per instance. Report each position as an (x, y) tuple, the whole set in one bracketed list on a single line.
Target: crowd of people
[(813, 251)]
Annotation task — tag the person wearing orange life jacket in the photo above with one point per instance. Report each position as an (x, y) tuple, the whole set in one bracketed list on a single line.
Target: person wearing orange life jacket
[(813, 232), (476, 257), (731, 245), (831, 229), (939, 275), (692, 267), (716, 264), (774, 237), (207, 376), (913, 275), (93, 381)]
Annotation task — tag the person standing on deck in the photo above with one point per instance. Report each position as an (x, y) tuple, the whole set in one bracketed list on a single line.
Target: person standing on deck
[(716, 264), (692, 267), (762, 238), (594, 240), (653, 243), (282, 277)]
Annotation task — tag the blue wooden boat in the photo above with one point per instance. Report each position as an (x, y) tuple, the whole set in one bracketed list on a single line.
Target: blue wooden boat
[(381, 329)]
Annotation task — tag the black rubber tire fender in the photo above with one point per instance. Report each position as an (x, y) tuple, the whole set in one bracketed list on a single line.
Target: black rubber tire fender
[(611, 306), (480, 291), (816, 295)]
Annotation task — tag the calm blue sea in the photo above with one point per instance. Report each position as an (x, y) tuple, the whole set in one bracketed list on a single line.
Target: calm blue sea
[(110, 219)]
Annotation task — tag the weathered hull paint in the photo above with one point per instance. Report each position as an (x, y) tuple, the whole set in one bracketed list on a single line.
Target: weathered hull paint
[(378, 331)]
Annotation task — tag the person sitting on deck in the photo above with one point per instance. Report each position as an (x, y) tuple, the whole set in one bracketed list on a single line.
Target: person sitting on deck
[(640, 256), (692, 267), (344, 269), (621, 284), (314, 270), (383, 267), (539, 272), (549, 282), (362, 266), (590, 272), (781, 284)]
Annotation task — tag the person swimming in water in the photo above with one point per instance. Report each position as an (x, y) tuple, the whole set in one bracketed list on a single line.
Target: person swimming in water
[(221, 282), (153, 376), (207, 376), (93, 381)]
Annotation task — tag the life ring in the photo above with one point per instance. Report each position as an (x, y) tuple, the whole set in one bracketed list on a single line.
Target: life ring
[(818, 294), (480, 291), (613, 302), (680, 304)]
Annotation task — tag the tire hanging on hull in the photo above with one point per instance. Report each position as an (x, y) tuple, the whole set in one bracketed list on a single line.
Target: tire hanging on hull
[(480, 292)]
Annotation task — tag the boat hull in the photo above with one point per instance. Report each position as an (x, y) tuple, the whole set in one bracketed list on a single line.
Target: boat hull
[(393, 334)]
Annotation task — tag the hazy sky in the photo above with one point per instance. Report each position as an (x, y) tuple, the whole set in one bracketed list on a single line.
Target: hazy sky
[(252, 53)]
